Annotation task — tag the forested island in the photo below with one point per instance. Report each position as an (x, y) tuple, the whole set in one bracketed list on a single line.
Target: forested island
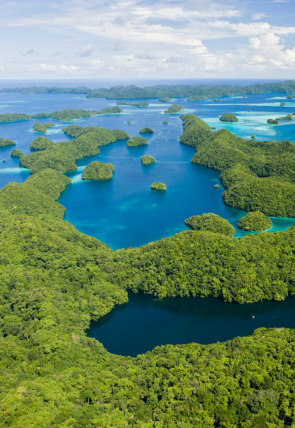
[(210, 222), (174, 109), (228, 117), (146, 130), (136, 141), (147, 160), (62, 115), (255, 222), (98, 171), (158, 186), (127, 103), (4, 142)]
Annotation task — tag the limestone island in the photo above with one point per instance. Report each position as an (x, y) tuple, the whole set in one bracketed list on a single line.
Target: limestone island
[(147, 160), (273, 121), (158, 186), (211, 222), (41, 143), (255, 222), (165, 122), (228, 117), (138, 105), (136, 141), (288, 117), (6, 142), (49, 125), (40, 127), (290, 97), (174, 109), (146, 131), (98, 171), (16, 153), (165, 100)]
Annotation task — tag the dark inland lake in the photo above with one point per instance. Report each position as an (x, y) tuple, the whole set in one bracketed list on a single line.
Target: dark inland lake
[(146, 322)]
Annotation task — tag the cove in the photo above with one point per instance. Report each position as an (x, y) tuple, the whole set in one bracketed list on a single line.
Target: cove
[(145, 322)]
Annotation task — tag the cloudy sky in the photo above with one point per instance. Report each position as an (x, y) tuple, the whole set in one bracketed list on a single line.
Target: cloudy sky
[(123, 39)]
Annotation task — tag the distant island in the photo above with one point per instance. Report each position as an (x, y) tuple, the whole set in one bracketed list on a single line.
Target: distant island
[(193, 92), (127, 103), (174, 109), (98, 171), (228, 117)]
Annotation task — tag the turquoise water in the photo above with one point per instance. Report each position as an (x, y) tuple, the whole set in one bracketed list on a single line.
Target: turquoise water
[(124, 211), (145, 322)]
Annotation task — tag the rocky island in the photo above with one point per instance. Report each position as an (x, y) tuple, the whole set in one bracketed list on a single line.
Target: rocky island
[(210, 222), (98, 171), (136, 141), (255, 222)]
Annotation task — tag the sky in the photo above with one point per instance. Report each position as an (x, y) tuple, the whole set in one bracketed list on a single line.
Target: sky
[(147, 39)]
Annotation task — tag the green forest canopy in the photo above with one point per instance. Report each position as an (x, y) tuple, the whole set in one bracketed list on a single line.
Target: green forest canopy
[(55, 280)]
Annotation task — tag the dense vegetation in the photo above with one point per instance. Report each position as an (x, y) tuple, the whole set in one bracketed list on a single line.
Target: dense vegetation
[(165, 100), (255, 221), (147, 160), (287, 117), (41, 143), (128, 103), (258, 175), (62, 115), (228, 117), (16, 153), (194, 92), (40, 127), (273, 121), (62, 156), (4, 142), (146, 130), (98, 171), (136, 141), (211, 222), (55, 280), (174, 109), (158, 186)]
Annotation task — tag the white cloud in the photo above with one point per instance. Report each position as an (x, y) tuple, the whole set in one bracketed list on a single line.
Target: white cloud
[(87, 50)]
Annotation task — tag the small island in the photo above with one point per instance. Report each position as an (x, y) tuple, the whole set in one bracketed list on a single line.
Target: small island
[(165, 122), (255, 222), (165, 100), (138, 105), (174, 109), (147, 160), (16, 153), (211, 222), (228, 117), (273, 121), (98, 171), (6, 142), (158, 186), (288, 117), (49, 124), (136, 141), (40, 127), (41, 143), (146, 131)]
